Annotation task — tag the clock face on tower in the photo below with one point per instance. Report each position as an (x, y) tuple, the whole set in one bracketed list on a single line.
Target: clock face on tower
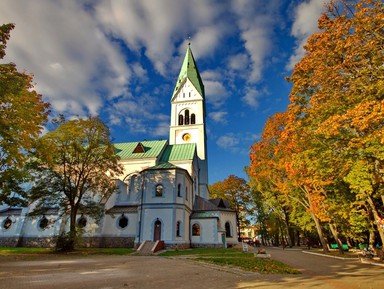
[(186, 137)]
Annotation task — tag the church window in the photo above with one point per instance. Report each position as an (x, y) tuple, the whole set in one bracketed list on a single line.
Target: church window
[(82, 221), (189, 94), (179, 190), (181, 119), (228, 232), (7, 223), (159, 191), (186, 116), (123, 221), (193, 118), (178, 225), (195, 230), (43, 223)]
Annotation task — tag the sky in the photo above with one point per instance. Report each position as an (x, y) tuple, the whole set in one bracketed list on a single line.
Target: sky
[(120, 59)]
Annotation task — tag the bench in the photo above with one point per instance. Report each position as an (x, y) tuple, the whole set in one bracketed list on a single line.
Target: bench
[(344, 246)]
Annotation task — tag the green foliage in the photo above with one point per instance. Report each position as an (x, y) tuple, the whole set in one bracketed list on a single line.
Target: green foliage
[(23, 112), (326, 153), (73, 170)]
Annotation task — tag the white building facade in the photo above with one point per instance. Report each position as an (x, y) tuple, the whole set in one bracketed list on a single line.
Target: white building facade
[(162, 194)]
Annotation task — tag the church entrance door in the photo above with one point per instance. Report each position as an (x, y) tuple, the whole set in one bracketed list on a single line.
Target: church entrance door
[(157, 231)]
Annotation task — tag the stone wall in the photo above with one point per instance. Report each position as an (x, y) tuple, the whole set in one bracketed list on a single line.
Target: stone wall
[(183, 246), (9, 242), (107, 242), (50, 242)]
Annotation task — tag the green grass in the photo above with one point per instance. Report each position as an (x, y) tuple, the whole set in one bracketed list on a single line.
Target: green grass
[(235, 258)]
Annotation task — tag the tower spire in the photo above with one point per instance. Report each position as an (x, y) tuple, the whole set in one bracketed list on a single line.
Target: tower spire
[(189, 71)]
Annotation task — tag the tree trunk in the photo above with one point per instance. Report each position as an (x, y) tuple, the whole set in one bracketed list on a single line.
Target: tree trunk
[(335, 235), (376, 215), (320, 233)]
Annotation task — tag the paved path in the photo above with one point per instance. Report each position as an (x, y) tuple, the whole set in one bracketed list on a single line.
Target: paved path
[(112, 272)]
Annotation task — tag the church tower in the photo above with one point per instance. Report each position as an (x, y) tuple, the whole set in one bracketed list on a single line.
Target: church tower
[(188, 116)]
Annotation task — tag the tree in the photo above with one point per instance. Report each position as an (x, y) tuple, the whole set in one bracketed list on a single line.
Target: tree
[(237, 192), (74, 169), (337, 98), (23, 114)]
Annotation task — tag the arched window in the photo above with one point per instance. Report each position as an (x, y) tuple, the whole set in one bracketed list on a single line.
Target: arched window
[(178, 225), (179, 190), (195, 230), (228, 229), (181, 119), (193, 118), (159, 191), (82, 221), (186, 116), (43, 223), (7, 223), (123, 221)]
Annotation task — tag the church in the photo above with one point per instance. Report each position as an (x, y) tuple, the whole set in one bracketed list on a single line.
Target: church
[(162, 195)]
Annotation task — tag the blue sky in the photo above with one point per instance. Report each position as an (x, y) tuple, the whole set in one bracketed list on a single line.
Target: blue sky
[(120, 59)]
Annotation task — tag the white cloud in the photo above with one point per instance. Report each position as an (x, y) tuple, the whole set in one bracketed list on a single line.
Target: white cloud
[(238, 62), (70, 58), (237, 142), (305, 24), (256, 21), (157, 25), (215, 91), (229, 141), (219, 116)]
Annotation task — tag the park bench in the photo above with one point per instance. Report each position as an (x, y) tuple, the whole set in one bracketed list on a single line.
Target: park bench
[(344, 246)]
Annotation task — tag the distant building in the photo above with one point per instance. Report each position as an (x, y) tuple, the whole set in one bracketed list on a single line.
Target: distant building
[(163, 192)]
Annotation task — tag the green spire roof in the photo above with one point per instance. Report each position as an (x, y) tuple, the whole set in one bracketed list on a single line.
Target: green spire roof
[(189, 71)]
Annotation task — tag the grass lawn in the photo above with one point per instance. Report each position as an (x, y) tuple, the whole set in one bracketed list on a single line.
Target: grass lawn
[(236, 258)]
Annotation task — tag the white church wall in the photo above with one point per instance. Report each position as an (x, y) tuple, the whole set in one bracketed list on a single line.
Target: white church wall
[(182, 216), (229, 217), (165, 216), (111, 225), (163, 178), (15, 227), (135, 166), (208, 233)]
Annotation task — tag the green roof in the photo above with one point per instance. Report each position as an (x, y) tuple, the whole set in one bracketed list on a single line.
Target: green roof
[(189, 71), (165, 165), (179, 152), (151, 149)]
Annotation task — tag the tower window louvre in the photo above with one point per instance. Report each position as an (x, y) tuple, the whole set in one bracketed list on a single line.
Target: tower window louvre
[(181, 119), (186, 116), (193, 118)]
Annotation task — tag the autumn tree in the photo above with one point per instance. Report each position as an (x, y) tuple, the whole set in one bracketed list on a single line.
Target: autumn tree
[(337, 102), (237, 192), (23, 114), (74, 168)]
